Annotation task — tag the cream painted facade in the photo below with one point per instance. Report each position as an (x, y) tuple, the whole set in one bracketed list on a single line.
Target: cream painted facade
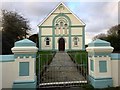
[(61, 30)]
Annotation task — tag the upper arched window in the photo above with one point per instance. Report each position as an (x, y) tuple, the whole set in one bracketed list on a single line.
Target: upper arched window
[(65, 24), (61, 24), (57, 25)]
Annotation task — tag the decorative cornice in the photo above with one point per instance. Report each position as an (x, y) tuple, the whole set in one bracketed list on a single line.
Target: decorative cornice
[(24, 49), (100, 49)]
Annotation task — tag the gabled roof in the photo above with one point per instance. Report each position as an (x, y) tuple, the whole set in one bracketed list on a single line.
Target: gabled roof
[(54, 11)]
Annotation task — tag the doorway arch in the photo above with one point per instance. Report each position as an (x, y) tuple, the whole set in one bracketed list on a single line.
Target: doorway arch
[(61, 44)]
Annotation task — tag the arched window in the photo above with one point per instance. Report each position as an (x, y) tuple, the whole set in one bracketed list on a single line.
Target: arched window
[(47, 40), (57, 24), (75, 39), (56, 28), (66, 26), (61, 25)]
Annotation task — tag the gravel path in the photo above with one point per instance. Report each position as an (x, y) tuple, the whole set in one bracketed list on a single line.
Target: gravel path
[(61, 69)]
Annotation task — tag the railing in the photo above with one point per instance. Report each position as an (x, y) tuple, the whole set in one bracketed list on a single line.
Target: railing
[(42, 62), (61, 72), (81, 61)]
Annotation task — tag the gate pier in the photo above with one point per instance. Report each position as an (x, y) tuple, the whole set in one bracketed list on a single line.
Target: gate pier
[(99, 59), (25, 57)]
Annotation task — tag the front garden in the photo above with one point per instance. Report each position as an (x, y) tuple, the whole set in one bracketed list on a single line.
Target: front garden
[(43, 59), (80, 58)]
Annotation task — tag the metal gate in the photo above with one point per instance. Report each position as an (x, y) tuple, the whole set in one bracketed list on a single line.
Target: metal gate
[(62, 69)]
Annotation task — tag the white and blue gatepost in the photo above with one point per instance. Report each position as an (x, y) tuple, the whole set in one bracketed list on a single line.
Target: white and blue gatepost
[(99, 63), (25, 62)]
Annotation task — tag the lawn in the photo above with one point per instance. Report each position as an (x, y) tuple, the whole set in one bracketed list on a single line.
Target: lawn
[(43, 59), (80, 58)]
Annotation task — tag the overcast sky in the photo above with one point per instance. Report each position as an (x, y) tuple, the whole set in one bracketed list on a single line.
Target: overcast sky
[(98, 16)]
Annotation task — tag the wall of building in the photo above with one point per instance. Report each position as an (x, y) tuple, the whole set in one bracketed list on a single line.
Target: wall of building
[(49, 21), (73, 47), (75, 28), (43, 43), (66, 42), (46, 31), (75, 32), (74, 20), (65, 10), (80, 42)]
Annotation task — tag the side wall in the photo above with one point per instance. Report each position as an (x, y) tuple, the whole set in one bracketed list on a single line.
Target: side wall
[(0, 76), (115, 57), (9, 72)]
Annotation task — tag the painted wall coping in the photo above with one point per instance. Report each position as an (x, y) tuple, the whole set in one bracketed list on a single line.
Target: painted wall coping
[(24, 42), (23, 81), (7, 58), (98, 42), (115, 56), (100, 49), (31, 49)]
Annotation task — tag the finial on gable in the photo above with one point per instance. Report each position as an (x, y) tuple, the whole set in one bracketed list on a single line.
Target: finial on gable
[(61, 7)]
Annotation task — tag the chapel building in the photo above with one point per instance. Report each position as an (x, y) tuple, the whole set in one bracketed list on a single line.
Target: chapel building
[(61, 30)]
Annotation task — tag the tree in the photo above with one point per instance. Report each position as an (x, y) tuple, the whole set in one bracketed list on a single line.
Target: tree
[(100, 36), (34, 38), (14, 27), (112, 36), (114, 31)]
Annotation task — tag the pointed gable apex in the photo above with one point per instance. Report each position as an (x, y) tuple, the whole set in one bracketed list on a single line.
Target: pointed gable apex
[(68, 11)]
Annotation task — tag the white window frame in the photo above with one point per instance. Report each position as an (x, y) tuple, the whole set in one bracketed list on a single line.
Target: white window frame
[(75, 40)]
